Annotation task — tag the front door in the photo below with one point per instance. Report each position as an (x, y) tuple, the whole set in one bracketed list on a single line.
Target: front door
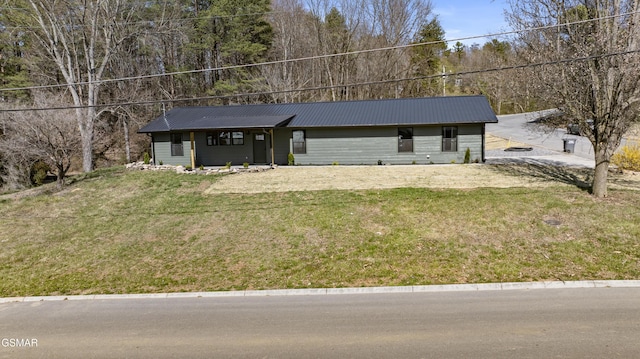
[(259, 148)]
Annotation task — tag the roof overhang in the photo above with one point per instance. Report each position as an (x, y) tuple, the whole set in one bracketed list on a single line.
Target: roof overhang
[(219, 123), (237, 122)]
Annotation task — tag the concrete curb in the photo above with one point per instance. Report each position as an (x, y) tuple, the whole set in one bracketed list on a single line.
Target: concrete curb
[(338, 291)]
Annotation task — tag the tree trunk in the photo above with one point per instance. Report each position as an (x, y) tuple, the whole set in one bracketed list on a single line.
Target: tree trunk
[(87, 151), (599, 185), (86, 123), (60, 175), (127, 146)]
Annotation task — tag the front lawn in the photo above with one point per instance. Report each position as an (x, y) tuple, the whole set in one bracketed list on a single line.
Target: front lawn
[(143, 232)]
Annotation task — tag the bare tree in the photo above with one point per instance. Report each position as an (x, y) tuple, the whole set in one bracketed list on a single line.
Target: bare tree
[(319, 29), (31, 136), (292, 39), (399, 20), (493, 84), (80, 37), (392, 23), (593, 65)]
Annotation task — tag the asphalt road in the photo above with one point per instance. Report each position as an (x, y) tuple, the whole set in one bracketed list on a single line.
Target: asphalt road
[(543, 323)]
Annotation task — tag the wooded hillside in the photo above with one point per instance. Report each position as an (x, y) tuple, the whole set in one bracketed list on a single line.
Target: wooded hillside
[(113, 65)]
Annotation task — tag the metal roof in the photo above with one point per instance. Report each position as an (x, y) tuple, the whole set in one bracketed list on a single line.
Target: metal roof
[(394, 112)]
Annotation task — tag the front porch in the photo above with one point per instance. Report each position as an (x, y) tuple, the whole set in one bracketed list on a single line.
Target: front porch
[(217, 148)]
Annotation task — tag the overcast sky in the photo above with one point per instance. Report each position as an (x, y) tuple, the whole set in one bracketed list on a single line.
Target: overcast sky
[(466, 18)]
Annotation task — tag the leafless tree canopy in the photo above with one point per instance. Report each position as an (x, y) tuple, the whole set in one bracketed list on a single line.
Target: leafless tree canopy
[(593, 70), (35, 136)]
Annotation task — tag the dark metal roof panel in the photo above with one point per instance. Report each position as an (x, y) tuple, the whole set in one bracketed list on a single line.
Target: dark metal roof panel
[(410, 111), (418, 111), (206, 118)]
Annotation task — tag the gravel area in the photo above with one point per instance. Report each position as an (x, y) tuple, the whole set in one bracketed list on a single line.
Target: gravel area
[(306, 178)]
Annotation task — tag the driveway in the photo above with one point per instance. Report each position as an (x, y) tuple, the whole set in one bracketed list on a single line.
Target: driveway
[(547, 146)]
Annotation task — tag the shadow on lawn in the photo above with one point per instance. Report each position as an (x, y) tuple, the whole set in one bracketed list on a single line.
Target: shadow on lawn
[(547, 171), (580, 177)]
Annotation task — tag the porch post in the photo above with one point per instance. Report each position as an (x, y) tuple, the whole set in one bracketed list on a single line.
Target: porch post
[(483, 143), (272, 151), (193, 151), (153, 150)]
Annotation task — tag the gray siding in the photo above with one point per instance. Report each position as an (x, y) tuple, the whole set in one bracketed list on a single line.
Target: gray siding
[(207, 155), (325, 146), (472, 137), (282, 145), (162, 150), (220, 155), (353, 146)]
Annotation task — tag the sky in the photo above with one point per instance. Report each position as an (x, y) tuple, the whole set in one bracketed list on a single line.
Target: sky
[(466, 18)]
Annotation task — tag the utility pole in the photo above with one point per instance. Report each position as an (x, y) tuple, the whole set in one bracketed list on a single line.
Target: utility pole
[(444, 81)]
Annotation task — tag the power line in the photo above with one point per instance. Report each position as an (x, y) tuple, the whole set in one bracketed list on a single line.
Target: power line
[(316, 57), (318, 88)]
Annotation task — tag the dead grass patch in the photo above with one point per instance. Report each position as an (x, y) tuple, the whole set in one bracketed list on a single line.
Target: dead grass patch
[(309, 178)]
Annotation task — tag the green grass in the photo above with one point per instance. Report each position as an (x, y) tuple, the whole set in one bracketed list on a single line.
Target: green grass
[(119, 231)]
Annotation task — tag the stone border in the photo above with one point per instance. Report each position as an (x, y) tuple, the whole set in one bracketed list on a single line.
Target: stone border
[(204, 171)]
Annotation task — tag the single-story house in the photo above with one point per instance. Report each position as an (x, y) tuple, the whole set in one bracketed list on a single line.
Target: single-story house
[(394, 131)]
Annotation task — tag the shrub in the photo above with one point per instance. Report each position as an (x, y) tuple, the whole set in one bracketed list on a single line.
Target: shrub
[(201, 168), (39, 172), (146, 158), (628, 158), (245, 165), (291, 160), (335, 163), (228, 165), (160, 162), (467, 155)]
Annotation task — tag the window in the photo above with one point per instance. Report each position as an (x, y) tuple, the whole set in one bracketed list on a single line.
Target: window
[(299, 142), (405, 139), (224, 138), (212, 139), (176, 144), (238, 137), (449, 139)]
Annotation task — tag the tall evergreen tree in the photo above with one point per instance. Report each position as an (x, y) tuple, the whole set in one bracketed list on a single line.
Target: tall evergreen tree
[(426, 59), (13, 68), (231, 33)]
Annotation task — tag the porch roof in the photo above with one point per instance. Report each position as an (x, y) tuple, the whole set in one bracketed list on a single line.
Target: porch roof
[(195, 119)]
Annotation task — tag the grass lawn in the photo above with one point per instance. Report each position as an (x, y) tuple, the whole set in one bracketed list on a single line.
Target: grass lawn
[(121, 231)]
